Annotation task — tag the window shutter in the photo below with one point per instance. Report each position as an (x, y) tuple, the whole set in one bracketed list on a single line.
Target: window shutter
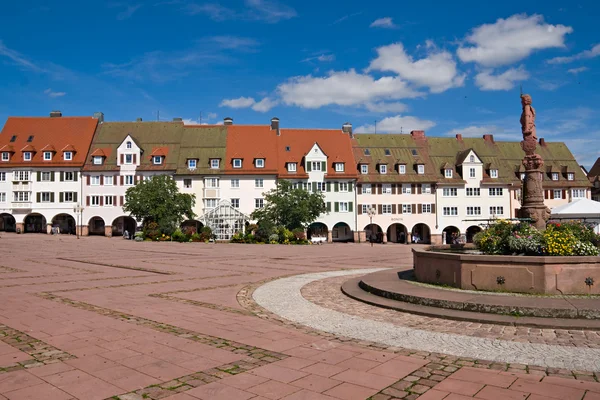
[(75, 173), (308, 166), (413, 188), (122, 180), (88, 180), (393, 188), (546, 194), (358, 188), (122, 158), (552, 194), (101, 180), (350, 206), (419, 189), (75, 197), (394, 209), (379, 209), (399, 208), (60, 197), (336, 187), (433, 208), (62, 176), (336, 206), (121, 201), (374, 206), (420, 208), (38, 196), (101, 200), (413, 208), (324, 166), (39, 176), (135, 158), (379, 186), (564, 194), (359, 209), (328, 206), (329, 186), (51, 176), (87, 201), (114, 200), (314, 187), (350, 187)]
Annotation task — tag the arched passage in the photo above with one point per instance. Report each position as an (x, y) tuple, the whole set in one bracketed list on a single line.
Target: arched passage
[(471, 232), (374, 233), (397, 233), (122, 224), (191, 226), (35, 223), (96, 226), (451, 234), (421, 233), (64, 223), (317, 230), (341, 232), (7, 223)]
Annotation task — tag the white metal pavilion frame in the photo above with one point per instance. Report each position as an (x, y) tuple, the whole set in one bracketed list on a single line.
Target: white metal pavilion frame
[(225, 220)]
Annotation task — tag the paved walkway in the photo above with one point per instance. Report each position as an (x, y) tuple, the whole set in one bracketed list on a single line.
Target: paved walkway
[(100, 318)]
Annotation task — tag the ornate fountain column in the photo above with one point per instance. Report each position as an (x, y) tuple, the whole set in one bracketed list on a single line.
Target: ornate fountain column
[(533, 193)]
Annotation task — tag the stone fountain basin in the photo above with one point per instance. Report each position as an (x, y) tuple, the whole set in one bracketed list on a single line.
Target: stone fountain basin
[(518, 274)]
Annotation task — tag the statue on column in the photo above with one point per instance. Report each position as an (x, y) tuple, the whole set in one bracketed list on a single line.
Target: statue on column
[(533, 193)]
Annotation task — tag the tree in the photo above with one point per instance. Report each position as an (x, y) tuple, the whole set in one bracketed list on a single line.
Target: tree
[(290, 207), (158, 200)]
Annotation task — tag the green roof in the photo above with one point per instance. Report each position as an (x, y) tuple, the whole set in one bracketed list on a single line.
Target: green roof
[(202, 143)]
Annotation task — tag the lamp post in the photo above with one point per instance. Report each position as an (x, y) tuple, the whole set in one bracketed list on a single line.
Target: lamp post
[(371, 212), (77, 210)]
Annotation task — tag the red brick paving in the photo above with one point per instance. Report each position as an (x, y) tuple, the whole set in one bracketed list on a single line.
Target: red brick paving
[(134, 327)]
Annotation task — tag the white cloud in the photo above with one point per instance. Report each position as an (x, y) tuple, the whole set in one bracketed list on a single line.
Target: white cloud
[(321, 58), (474, 130), (240, 102), (575, 71), (437, 70), (486, 80), (53, 94), (548, 85), (344, 88), (264, 105), (383, 107), (397, 124), (211, 115), (230, 42), (19, 59), (512, 39), (584, 55), (385, 22), (256, 10)]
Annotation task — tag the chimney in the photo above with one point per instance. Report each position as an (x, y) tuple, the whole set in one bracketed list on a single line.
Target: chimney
[(177, 119), (459, 137), (55, 114), (417, 134), (347, 128), (138, 120), (488, 138), (99, 116), (542, 142), (275, 124), (227, 121)]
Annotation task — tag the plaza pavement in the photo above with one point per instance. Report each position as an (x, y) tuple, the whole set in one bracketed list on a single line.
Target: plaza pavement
[(100, 318)]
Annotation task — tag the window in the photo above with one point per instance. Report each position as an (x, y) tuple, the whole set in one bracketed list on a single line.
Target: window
[(259, 163), (2, 176), (450, 211), (13, 138), (237, 163), (448, 173), (364, 169), (420, 169), (235, 203), (287, 148), (406, 189), (5, 156), (344, 206), (578, 193), (387, 152), (95, 201), (366, 189), (259, 183), (387, 188), (450, 192), (215, 163), (212, 183), (95, 180), (45, 197), (570, 176), (471, 172), (493, 173), (235, 183), (471, 158), (187, 183), (128, 145), (69, 197), (108, 201), (413, 152), (316, 165), (472, 192), (321, 187), (367, 152), (339, 167), (128, 180), (157, 160), (383, 169), (109, 180), (402, 169), (47, 155), (128, 158), (291, 167), (210, 203), (259, 203), (21, 176), (495, 192), (425, 188), (496, 210), (20, 197), (192, 164), (426, 208), (473, 210), (365, 208), (46, 176), (27, 156), (557, 194), (522, 175), (407, 209), (343, 186), (386, 209), (555, 176), (2, 197), (68, 155), (97, 160), (70, 176)]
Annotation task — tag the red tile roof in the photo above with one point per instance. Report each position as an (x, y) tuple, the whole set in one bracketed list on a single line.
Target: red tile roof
[(249, 142), (57, 132)]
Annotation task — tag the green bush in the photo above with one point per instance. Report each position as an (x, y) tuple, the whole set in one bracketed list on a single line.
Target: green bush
[(206, 234), (179, 236), (238, 238), (196, 237), (151, 230)]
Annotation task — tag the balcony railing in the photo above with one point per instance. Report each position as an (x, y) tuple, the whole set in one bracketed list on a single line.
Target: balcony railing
[(21, 204)]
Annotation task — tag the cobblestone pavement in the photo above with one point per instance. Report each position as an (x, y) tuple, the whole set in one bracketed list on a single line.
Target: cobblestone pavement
[(100, 318)]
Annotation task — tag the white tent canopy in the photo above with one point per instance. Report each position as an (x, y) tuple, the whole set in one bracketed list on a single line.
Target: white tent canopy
[(582, 209)]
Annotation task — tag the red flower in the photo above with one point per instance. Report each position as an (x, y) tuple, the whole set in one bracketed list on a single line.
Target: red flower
[(558, 225)]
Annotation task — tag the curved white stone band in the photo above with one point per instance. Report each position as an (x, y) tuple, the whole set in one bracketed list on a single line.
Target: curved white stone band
[(283, 297)]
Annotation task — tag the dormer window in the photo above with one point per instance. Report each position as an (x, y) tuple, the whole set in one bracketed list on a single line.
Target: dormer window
[(27, 156), (128, 158), (555, 176), (5, 156), (97, 160), (493, 173), (402, 169), (387, 152), (128, 145), (448, 173), (237, 163), (47, 156), (156, 160), (570, 176), (215, 163), (364, 169), (421, 169), (472, 158), (68, 155), (383, 169), (367, 152), (413, 152), (259, 163), (339, 167), (291, 167), (192, 164)]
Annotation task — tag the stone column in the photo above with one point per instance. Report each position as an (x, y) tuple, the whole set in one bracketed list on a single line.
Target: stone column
[(84, 230), (48, 229), (329, 237), (408, 238), (356, 237), (384, 237), (108, 231), (20, 227)]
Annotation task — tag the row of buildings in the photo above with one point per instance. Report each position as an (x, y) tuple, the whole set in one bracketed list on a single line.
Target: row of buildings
[(71, 174)]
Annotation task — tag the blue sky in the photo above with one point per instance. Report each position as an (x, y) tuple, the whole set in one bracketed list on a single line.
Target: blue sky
[(444, 67)]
